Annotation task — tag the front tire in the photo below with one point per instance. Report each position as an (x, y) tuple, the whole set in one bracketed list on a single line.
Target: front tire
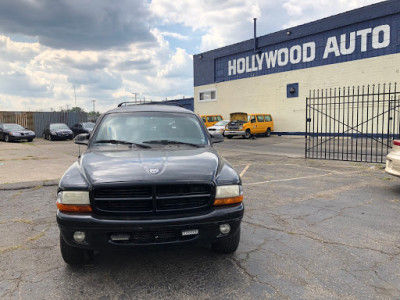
[(74, 255), (229, 136), (247, 134), (6, 138), (227, 245)]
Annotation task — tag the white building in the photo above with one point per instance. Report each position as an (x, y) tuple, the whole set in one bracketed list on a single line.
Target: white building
[(275, 73)]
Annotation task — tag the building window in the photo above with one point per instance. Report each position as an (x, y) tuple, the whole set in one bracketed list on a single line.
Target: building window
[(292, 90), (208, 95)]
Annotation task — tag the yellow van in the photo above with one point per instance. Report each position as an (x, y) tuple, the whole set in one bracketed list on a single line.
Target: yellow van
[(210, 120), (248, 124)]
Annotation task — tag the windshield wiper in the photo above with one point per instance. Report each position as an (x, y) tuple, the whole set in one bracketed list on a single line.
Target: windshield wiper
[(166, 142), (122, 142)]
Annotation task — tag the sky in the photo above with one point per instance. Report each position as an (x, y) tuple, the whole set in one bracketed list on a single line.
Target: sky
[(57, 54)]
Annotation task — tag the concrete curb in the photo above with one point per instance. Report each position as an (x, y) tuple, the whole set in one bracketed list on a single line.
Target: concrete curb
[(27, 185)]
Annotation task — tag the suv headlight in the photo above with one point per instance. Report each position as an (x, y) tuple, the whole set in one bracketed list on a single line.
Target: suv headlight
[(240, 127), (73, 201), (228, 194)]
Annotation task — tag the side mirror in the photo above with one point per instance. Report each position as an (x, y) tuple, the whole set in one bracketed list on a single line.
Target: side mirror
[(82, 139), (216, 138)]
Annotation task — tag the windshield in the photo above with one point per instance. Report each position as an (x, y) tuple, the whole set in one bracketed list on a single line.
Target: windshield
[(88, 125), (58, 126), (150, 127), (221, 123), (13, 127)]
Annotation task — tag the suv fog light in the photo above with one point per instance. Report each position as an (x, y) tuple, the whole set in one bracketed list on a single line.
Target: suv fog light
[(79, 236), (225, 228)]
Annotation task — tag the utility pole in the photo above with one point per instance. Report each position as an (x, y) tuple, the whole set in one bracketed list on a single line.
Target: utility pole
[(94, 107)]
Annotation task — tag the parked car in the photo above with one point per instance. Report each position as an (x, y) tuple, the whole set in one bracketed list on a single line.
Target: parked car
[(393, 159), (57, 131), (210, 120), (246, 125), (218, 127), (84, 127), (139, 185), (15, 132)]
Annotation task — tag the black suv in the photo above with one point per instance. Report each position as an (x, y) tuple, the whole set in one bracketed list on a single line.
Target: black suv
[(149, 176)]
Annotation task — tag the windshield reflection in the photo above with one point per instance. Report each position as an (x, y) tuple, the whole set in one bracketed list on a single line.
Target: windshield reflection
[(139, 127)]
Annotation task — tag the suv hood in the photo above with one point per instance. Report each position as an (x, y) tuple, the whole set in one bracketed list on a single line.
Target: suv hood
[(148, 166)]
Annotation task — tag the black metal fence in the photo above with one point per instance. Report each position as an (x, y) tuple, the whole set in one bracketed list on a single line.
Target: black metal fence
[(37, 121), (353, 123)]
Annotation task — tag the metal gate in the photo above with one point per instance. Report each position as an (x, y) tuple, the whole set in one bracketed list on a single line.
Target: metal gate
[(352, 124)]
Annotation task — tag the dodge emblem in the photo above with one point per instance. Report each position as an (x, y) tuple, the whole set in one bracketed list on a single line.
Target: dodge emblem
[(154, 171)]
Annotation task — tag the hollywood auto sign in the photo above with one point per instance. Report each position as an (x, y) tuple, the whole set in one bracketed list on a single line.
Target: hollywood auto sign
[(357, 41)]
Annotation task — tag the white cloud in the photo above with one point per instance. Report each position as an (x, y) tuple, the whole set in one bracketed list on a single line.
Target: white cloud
[(175, 35), (110, 51), (13, 51), (223, 22)]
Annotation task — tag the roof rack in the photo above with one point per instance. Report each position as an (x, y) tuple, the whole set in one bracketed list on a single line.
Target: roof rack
[(171, 102)]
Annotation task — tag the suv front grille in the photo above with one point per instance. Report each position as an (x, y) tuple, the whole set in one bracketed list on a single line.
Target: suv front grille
[(234, 125), (152, 198)]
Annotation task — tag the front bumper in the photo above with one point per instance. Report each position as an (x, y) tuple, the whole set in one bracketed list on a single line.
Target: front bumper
[(147, 232), (62, 137), (234, 132), (393, 164), (21, 137)]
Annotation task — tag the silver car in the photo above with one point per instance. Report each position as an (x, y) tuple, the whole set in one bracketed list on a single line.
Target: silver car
[(218, 127)]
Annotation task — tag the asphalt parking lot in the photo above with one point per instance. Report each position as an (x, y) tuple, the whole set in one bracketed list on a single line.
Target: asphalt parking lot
[(313, 229)]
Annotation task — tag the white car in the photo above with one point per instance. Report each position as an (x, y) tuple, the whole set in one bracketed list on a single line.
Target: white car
[(393, 159), (218, 127)]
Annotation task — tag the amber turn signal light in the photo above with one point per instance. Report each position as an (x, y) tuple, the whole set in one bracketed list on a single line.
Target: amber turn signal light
[(74, 208), (228, 201)]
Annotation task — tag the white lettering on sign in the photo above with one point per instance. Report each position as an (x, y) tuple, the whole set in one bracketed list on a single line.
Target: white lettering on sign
[(270, 58), (308, 52), (377, 38), (331, 46), (283, 57), (259, 61), (335, 46), (378, 32), (352, 43), (295, 54)]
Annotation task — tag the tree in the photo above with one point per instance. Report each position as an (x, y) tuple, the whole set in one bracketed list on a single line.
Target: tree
[(77, 109), (93, 115)]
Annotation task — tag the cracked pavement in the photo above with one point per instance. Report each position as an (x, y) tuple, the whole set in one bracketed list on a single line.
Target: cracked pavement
[(313, 229)]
